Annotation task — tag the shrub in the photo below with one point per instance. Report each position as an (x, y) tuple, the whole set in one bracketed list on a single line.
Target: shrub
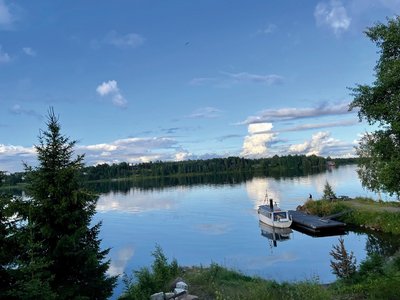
[(144, 282)]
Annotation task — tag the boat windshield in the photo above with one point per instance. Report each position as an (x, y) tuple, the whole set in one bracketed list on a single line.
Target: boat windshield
[(280, 215)]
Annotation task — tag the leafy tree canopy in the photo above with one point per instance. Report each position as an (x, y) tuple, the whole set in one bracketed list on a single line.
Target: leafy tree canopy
[(379, 104)]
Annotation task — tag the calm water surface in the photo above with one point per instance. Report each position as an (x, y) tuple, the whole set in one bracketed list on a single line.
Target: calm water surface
[(202, 224)]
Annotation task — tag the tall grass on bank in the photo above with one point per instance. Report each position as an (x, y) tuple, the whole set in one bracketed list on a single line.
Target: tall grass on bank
[(378, 277), (360, 212)]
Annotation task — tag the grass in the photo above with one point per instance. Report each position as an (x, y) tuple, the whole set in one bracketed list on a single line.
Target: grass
[(361, 212), (217, 282), (377, 277)]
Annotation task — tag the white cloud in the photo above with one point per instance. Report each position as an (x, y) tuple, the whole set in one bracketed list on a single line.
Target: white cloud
[(229, 79), (271, 79), (19, 110), (6, 18), (4, 56), (111, 88), (181, 156), (205, 113), (340, 123), (132, 150), (107, 87), (334, 15), (259, 128), (11, 157), (314, 146), (130, 40), (293, 113), (322, 144), (255, 144), (268, 30), (29, 51)]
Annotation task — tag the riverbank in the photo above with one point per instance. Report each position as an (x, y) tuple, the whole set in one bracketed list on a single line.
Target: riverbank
[(376, 278), (360, 212)]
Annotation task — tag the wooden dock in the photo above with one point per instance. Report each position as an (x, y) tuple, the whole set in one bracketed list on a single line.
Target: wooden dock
[(314, 224)]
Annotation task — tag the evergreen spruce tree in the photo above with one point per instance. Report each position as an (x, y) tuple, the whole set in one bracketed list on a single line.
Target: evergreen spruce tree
[(344, 263), (329, 194), (64, 250), (9, 245)]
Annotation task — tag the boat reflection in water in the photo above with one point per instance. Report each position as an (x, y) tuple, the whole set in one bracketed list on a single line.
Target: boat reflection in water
[(275, 234)]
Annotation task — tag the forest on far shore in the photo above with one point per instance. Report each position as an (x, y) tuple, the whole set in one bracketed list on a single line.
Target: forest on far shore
[(261, 166)]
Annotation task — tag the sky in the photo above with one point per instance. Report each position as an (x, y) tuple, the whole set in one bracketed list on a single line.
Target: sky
[(137, 81)]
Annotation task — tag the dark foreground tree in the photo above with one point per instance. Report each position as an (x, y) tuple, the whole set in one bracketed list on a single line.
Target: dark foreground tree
[(10, 245), (379, 104), (64, 256)]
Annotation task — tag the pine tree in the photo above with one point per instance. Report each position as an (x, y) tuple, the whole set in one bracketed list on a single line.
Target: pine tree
[(344, 263), (329, 194), (64, 250)]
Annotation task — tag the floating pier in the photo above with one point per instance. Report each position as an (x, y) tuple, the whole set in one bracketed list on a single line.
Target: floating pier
[(314, 224)]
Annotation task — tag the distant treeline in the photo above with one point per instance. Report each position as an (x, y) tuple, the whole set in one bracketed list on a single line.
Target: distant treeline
[(213, 166), (274, 166)]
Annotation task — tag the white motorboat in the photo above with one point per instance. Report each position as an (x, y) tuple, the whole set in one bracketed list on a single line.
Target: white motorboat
[(272, 215)]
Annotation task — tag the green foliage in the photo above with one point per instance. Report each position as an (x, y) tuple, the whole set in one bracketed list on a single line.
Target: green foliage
[(378, 278), (379, 104), (324, 208), (10, 242), (63, 257), (144, 282), (344, 263), (270, 166), (360, 212), (329, 194), (217, 282)]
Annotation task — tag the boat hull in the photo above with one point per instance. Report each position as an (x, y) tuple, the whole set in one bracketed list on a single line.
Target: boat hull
[(278, 224)]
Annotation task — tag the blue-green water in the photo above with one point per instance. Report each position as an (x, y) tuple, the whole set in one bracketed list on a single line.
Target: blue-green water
[(201, 224)]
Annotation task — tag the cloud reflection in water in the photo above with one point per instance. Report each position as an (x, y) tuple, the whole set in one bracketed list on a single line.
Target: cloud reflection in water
[(137, 201), (118, 263)]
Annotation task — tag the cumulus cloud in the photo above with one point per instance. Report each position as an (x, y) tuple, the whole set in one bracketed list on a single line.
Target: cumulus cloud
[(29, 51), (322, 144), (182, 155), (132, 150), (255, 143), (111, 88), (292, 113), (130, 40), (12, 157), (332, 14), (4, 56)]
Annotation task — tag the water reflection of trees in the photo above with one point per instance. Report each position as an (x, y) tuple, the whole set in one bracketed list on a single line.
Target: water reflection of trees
[(380, 243), (159, 183)]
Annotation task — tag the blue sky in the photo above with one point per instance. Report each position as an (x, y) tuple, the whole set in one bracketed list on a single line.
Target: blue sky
[(143, 80)]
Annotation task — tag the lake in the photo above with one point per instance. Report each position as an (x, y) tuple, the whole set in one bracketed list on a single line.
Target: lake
[(199, 224)]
